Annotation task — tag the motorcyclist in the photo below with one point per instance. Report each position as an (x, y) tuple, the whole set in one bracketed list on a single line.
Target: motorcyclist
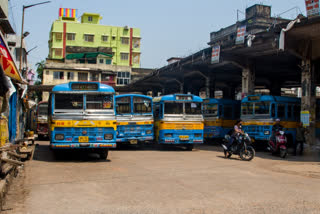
[(237, 129), (276, 128)]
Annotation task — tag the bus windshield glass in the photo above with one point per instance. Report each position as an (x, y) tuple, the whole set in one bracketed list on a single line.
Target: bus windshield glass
[(247, 108), (193, 108), (173, 108), (43, 109), (211, 109), (123, 105), (141, 105), (99, 102), (262, 108), (69, 101)]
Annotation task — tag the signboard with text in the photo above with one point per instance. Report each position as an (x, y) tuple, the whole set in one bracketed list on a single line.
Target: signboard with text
[(312, 7), (241, 32), (215, 57), (305, 118), (8, 66)]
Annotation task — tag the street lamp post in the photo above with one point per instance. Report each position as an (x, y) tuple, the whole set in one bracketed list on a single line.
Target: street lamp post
[(22, 25)]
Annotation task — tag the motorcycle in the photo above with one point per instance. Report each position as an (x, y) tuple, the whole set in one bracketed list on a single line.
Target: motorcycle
[(241, 146), (280, 146)]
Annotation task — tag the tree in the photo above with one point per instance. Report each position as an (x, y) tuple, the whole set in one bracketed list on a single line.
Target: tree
[(40, 66)]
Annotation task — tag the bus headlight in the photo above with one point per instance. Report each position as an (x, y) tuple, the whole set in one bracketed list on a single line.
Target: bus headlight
[(108, 136), (149, 132), (167, 135), (197, 135), (266, 132), (59, 137)]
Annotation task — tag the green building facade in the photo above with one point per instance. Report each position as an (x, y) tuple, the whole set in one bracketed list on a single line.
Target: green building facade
[(69, 36)]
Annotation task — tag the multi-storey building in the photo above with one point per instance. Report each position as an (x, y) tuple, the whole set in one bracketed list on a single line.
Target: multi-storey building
[(69, 36)]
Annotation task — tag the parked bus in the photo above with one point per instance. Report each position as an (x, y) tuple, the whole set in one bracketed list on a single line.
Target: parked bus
[(42, 120), (134, 119), (259, 113), (82, 116), (318, 119), (178, 120), (220, 115)]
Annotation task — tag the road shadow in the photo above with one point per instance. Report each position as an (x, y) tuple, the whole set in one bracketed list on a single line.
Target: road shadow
[(44, 153), (263, 153)]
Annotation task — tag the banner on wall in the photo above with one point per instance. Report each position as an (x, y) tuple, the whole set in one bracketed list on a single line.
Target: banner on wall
[(215, 56), (241, 32), (8, 65), (312, 7)]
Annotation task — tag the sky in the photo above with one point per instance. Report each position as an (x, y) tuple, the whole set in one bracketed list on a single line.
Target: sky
[(169, 28)]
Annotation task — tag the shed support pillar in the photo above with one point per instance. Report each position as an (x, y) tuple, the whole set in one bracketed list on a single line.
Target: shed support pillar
[(210, 87), (248, 81), (308, 98)]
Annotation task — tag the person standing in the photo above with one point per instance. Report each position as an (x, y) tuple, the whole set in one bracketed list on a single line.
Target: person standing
[(300, 138)]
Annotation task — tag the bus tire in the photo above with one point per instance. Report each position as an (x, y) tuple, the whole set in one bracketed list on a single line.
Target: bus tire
[(104, 154), (189, 147)]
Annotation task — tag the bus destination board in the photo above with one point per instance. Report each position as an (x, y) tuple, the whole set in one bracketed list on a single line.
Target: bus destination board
[(84, 86)]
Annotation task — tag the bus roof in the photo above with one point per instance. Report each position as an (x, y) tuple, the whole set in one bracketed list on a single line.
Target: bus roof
[(173, 97), (68, 87), (133, 95), (220, 101), (257, 98)]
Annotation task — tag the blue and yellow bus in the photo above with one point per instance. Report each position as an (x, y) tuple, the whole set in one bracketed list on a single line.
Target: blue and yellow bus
[(259, 113), (82, 116), (178, 120), (220, 115), (134, 119)]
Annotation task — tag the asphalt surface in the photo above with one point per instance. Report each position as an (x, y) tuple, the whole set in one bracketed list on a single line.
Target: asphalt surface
[(136, 181)]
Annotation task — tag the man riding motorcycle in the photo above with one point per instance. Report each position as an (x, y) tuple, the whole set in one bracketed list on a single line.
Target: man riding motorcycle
[(237, 129), (276, 128)]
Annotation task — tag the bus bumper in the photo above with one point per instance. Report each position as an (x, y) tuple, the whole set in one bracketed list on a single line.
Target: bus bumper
[(82, 145), (139, 139)]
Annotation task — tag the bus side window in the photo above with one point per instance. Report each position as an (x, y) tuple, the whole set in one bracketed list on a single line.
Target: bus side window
[(273, 110), (281, 111), (156, 111), (161, 110), (290, 116), (296, 112), (221, 111)]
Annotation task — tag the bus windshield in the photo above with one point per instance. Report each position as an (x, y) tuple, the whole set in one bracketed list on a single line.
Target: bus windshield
[(69, 101), (99, 102), (262, 108), (43, 109), (173, 108), (257, 108), (211, 109), (141, 105), (123, 105), (193, 108)]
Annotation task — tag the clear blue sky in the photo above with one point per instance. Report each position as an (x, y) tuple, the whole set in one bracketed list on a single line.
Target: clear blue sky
[(168, 27)]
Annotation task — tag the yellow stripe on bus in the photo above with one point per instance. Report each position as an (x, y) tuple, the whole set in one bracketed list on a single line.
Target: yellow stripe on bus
[(220, 122), (83, 123), (285, 124), (179, 125)]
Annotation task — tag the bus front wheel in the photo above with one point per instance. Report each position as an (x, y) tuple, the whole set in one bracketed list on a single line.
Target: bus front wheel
[(104, 154)]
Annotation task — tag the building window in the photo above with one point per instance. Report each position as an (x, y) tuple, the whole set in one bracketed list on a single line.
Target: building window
[(124, 41), (71, 36), (58, 75), (88, 37), (124, 56), (101, 61), (58, 36), (94, 77), (104, 38), (89, 18), (82, 76), (136, 58), (58, 51), (70, 75), (108, 61), (47, 72), (136, 42), (123, 78), (105, 77), (113, 38)]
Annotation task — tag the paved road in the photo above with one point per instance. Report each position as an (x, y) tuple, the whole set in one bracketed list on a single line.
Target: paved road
[(177, 181)]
